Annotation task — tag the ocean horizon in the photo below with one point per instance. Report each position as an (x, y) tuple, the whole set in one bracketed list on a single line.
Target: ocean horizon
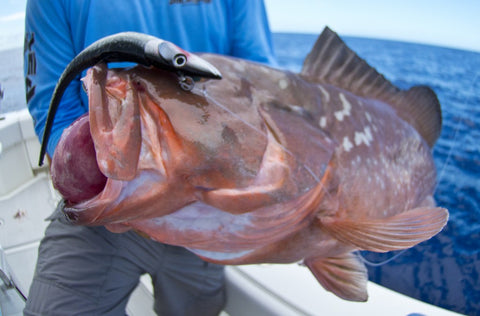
[(11, 56)]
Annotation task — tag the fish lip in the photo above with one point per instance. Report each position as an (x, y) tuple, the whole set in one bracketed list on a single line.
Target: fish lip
[(71, 216), (75, 214)]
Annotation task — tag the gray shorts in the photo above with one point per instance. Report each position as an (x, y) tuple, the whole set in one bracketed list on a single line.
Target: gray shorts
[(91, 271)]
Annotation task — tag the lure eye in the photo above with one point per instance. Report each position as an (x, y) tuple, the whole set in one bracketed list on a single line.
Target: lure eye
[(179, 60)]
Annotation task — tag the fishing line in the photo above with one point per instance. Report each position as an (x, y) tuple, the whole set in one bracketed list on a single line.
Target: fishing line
[(440, 176), (381, 263), (457, 128)]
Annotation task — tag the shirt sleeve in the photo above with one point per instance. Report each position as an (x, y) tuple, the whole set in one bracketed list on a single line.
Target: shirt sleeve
[(48, 50), (251, 36), (56, 31)]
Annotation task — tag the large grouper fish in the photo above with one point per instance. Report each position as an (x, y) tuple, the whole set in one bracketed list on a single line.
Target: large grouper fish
[(262, 166)]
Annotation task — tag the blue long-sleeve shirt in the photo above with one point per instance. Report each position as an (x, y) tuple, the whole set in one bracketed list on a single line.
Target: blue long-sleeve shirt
[(57, 30)]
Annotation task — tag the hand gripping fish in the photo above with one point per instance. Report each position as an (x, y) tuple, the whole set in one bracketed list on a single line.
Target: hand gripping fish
[(262, 166)]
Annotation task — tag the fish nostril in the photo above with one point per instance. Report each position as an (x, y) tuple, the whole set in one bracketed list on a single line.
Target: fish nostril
[(138, 85)]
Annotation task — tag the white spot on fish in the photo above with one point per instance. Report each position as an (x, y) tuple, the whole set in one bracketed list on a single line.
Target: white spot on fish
[(347, 145), (364, 137), (346, 108), (239, 66), (369, 118), (325, 93), (323, 122), (283, 84)]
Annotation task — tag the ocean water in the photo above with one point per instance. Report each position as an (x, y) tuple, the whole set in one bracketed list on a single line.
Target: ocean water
[(445, 270)]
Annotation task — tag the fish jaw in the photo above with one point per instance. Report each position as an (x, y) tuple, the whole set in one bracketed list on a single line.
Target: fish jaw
[(153, 195), (136, 148)]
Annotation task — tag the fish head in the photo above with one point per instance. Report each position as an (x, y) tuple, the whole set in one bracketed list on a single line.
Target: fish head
[(161, 148)]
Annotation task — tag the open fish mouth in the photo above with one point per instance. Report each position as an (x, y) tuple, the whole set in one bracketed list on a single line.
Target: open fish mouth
[(116, 126)]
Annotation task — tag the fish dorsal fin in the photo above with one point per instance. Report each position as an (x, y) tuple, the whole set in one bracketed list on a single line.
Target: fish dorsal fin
[(331, 61)]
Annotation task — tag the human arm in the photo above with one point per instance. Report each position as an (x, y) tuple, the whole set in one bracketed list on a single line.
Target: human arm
[(48, 49)]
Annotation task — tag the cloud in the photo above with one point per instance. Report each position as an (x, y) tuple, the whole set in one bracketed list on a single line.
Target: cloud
[(11, 30), (13, 17)]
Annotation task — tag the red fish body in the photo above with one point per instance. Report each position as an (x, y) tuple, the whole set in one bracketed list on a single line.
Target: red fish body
[(265, 165)]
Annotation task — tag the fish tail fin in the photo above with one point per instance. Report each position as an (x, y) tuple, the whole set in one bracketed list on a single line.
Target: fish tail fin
[(397, 232), (345, 276)]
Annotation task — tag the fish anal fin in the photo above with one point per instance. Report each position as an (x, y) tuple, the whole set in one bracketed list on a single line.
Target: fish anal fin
[(397, 232), (345, 276)]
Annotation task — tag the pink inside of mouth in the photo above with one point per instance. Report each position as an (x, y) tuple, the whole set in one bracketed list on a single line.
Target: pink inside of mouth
[(75, 172)]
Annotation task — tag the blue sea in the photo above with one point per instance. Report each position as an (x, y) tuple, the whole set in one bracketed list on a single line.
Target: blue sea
[(444, 271)]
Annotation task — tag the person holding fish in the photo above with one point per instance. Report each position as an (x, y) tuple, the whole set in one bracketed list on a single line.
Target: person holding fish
[(89, 270)]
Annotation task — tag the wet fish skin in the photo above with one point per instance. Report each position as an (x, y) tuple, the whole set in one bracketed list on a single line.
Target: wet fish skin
[(266, 165)]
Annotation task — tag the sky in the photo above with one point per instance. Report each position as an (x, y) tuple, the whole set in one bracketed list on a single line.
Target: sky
[(451, 23)]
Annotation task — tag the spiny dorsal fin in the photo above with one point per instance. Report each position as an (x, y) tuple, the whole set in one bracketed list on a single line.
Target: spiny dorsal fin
[(331, 61)]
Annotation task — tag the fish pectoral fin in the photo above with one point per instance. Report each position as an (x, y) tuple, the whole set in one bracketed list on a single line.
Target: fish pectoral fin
[(397, 232), (270, 180), (345, 276)]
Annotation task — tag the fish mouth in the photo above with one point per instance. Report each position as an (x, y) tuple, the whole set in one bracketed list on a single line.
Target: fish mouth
[(136, 148)]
